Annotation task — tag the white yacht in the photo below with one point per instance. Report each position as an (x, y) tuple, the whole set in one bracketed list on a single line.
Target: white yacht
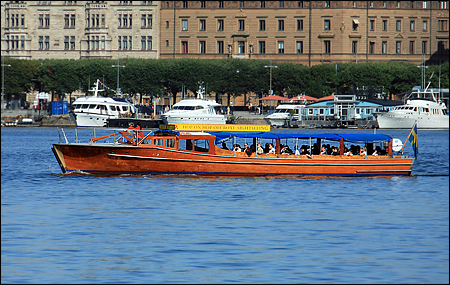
[(285, 112), (421, 106), (94, 111), (195, 111)]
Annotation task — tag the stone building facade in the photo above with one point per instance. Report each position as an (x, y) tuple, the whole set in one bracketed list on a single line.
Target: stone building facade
[(306, 32), (79, 29)]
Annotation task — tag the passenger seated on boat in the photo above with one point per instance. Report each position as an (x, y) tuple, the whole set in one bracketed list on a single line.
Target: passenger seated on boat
[(271, 149), (224, 146), (335, 151), (324, 150), (379, 150), (140, 130), (316, 148), (266, 148), (375, 152), (347, 151), (363, 151), (259, 149), (285, 149), (247, 149), (237, 148)]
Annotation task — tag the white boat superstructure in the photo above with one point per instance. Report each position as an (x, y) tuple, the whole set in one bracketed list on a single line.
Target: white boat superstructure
[(94, 111), (427, 113), (285, 112), (195, 111)]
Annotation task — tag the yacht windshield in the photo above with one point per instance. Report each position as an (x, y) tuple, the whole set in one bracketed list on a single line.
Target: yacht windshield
[(282, 111), (187, 107)]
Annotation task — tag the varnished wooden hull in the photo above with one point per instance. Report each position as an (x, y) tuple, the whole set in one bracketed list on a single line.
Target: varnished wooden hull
[(127, 159)]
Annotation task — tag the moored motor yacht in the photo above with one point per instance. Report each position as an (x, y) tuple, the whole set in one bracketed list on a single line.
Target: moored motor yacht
[(421, 106), (195, 111), (95, 110), (285, 112)]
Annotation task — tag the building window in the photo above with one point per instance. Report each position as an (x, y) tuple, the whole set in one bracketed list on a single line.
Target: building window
[(398, 25), (262, 4), (146, 21), (184, 25), (424, 47), (442, 25), (372, 25), (167, 43), (41, 20), (184, 47), (41, 42), (185, 4), (326, 25), (384, 4), (300, 4), (241, 25), (398, 47), (385, 25), (241, 4), (262, 25), (66, 42), (262, 47), (203, 4), (443, 4), (143, 42), (327, 47), (299, 47), (220, 25), (280, 25), (384, 47), (241, 47), (202, 45), (372, 47), (119, 42), (281, 4), (220, 47), (72, 42), (149, 42), (280, 46), (355, 24), (202, 25), (398, 4), (424, 25), (424, 5), (125, 42), (327, 4), (220, 4), (354, 47), (299, 25), (412, 25), (371, 4), (47, 42), (411, 47), (355, 4), (66, 20), (47, 20)]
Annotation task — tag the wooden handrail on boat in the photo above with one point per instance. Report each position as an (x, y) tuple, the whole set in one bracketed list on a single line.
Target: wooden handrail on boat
[(104, 137)]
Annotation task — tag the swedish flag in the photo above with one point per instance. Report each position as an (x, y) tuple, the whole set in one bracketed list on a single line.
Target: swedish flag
[(413, 140)]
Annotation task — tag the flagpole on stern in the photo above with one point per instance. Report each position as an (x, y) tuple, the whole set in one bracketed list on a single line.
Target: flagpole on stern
[(410, 132)]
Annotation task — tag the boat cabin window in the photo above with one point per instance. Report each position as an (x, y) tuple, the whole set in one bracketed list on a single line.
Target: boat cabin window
[(113, 108), (201, 145), (184, 144), (125, 108), (444, 111), (426, 110), (170, 142), (159, 142), (84, 106), (147, 141), (92, 106)]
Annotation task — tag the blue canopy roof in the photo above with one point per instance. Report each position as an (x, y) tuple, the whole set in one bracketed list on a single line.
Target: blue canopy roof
[(366, 138)]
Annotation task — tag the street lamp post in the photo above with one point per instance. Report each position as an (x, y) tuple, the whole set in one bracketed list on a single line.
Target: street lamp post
[(118, 91), (3, 82), (270, 66)]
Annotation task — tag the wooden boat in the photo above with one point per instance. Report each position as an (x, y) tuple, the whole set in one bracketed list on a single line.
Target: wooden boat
[(198, 153)]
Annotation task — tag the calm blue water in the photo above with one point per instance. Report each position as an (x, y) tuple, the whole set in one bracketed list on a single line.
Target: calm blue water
[(168, 229)]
